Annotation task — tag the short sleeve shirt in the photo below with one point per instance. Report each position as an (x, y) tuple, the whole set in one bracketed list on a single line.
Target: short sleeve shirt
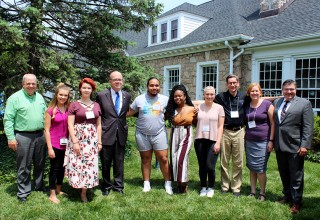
[(151, 113)]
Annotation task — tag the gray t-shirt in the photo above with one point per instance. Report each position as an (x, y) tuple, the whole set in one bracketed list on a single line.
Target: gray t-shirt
[(151, 113)]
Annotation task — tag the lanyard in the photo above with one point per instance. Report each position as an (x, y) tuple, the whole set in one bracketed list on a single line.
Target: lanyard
[(231, 105), (254, 114)]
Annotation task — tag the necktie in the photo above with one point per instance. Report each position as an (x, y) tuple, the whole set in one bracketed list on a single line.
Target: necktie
[(283, 112), (117, 103)]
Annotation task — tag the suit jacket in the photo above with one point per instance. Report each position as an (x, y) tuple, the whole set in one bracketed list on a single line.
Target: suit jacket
[(111, 122), (296, 129)]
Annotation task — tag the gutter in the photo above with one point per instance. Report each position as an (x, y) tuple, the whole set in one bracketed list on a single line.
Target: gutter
[(214, 41), (314, 36), (232, 57)]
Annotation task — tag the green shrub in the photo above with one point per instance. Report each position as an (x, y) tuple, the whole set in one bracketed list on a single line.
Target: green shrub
[(316, 134)]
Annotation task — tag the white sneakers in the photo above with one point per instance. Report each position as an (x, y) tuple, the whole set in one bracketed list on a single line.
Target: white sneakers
[(203, 191), (210, 192), (146, 186), (168, 187), (206, 192)]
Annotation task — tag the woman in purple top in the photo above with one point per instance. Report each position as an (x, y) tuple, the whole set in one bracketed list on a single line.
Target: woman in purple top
[(56, 133), (84, 124), (259, 138)]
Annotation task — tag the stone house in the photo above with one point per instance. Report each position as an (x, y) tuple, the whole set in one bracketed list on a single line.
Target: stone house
[(265, 41)]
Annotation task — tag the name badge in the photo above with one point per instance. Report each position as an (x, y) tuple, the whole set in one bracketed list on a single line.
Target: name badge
[(234, 114), (156, 107), (252, 124), (63, 141), (89, 115), (205, 128)]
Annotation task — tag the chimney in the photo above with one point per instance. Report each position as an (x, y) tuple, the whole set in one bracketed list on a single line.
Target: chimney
[(273, 7)]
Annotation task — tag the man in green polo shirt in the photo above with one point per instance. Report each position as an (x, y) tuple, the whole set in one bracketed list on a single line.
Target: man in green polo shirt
[(23, 125)]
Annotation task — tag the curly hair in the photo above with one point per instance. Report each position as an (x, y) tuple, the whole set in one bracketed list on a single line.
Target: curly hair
[(172, 106)]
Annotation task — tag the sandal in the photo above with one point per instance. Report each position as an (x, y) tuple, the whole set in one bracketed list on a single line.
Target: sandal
[(262, 197), (252, 194)]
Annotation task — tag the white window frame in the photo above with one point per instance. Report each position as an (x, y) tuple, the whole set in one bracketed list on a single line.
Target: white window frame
[(166, 77), (279, 91), (199, 81), (307, 88)]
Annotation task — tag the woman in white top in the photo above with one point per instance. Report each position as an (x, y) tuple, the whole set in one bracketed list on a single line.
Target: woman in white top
[(207, 141)]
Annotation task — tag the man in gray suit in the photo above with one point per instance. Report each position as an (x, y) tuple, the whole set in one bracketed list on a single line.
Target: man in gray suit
[(114, 104), (293, 134)]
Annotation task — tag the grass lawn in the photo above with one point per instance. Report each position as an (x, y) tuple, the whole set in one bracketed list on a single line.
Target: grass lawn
[(157, 204)]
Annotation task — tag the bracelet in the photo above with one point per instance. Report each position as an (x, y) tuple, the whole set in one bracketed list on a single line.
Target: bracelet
[(270, 140), (99, 143), (75, 142)]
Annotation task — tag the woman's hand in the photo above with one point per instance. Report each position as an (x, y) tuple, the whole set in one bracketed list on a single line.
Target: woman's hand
[(270, 146), (51, 153), (76, 148), (216, 148)]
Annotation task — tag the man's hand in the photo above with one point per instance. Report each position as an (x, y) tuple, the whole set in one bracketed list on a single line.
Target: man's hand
[(302, 151), (13, 144)]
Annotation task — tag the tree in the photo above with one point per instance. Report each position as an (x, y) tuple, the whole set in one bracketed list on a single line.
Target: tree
[(64, 40)]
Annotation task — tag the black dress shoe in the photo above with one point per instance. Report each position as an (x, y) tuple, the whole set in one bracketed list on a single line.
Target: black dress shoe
[(22, 199), (42, 189), (121, 192), (105, 192)]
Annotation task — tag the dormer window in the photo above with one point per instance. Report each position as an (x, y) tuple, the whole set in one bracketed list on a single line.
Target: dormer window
[(154, 35), (163, 32), (174, 29)]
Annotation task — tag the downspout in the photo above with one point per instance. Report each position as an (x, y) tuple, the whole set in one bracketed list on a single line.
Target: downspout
[(232, 58)]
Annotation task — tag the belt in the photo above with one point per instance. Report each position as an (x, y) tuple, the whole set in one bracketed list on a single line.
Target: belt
[(29, 132), (232, 128)]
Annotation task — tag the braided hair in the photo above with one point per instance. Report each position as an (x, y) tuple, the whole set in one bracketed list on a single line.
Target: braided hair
[(172, 106)]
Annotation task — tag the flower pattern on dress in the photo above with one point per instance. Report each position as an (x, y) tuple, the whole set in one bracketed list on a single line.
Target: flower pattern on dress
[(82, 171)]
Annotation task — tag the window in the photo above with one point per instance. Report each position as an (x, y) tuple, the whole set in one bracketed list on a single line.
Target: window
[(154, 35), (271, 78), (163, 32), (308, 80), (171, 78), (207, 75), (174, 29)]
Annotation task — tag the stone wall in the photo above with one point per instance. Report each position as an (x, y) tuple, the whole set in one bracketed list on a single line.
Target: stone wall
[(242, 67)]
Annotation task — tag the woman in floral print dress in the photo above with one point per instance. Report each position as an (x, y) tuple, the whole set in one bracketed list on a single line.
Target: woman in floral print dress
[(84, 124)]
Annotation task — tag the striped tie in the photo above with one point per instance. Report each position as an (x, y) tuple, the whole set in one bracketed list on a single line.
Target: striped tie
[(283, 112)]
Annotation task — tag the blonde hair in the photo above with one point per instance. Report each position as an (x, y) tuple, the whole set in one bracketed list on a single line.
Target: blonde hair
[(54, 102), (253, 85), (207, 88)]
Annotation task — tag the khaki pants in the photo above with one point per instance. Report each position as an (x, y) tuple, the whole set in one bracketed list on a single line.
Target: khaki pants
[(232, 146)]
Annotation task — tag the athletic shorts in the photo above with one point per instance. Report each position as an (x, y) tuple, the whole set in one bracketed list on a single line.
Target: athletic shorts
[(152, 142)]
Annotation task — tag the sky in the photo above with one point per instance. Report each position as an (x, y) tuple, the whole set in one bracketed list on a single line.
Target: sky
[(170, 4)]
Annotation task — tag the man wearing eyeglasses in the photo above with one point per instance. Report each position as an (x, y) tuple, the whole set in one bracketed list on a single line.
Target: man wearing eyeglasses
[(293, 135), (114, 103)]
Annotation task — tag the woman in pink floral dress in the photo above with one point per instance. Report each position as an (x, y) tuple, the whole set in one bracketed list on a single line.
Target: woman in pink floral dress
[(84, 124)]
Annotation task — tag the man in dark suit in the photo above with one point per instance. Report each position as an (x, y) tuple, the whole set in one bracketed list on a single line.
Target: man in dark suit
[(114, 104), (293, 134)]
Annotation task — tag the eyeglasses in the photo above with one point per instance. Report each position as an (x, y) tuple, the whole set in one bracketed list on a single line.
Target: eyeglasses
[(116, 80)]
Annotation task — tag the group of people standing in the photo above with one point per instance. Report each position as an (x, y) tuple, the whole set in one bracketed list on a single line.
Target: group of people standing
[(230, 124)]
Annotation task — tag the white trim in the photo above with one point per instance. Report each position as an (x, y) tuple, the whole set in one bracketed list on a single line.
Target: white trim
[(165, 76), (199, 92)]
